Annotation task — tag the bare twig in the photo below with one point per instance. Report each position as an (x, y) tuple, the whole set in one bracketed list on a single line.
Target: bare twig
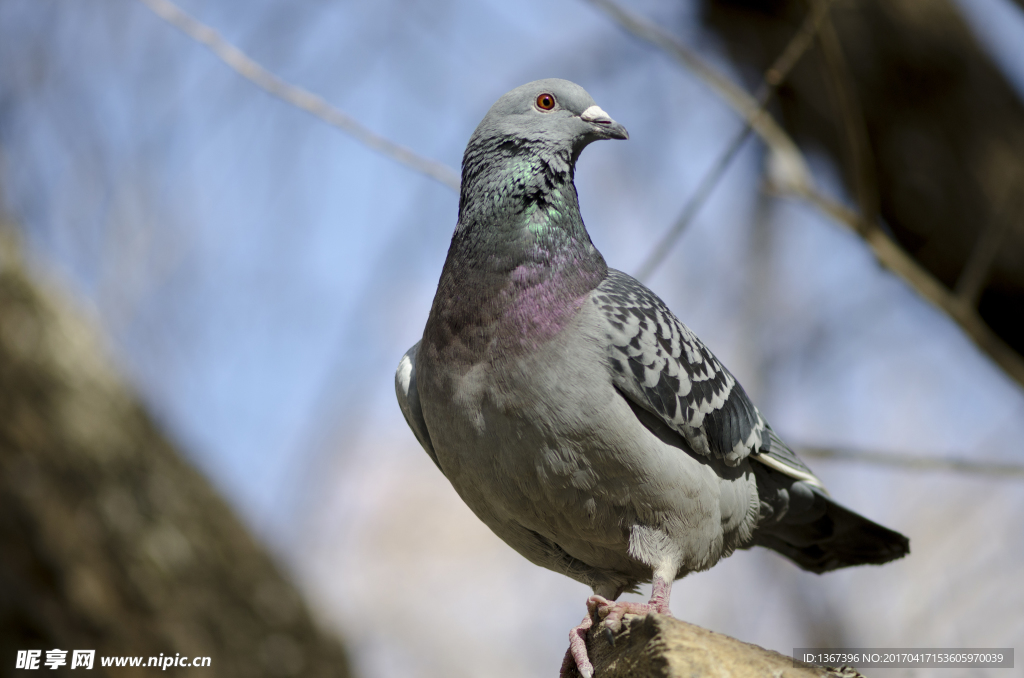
[(975, 272), (776, 138), (692, 206), (891, 256), (773, 77), (814, 22), (847, 105), (298, 97), (917, 463)]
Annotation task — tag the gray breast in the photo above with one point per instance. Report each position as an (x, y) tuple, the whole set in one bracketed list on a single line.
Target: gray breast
[(551, 456)]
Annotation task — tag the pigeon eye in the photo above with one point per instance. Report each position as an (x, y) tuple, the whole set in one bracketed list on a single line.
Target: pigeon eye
[(545, 102)]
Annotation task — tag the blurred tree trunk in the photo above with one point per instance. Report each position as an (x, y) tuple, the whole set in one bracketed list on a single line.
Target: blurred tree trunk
[(110, 541), (927, 132)]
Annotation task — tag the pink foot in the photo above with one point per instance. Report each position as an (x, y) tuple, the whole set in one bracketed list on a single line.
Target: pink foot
[(612, 612), (599, 607), (577, 652)]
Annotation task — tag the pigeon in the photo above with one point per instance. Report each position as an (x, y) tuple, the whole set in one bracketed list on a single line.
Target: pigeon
[(576, 416)]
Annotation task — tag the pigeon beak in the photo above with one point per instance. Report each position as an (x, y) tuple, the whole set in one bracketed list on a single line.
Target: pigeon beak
[(603, 124)]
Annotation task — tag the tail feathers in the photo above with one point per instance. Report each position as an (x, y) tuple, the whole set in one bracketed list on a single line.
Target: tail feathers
[(839, 538), (820, 535)]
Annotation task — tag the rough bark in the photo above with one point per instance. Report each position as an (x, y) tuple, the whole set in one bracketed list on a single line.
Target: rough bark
[(926, 130), (658, 646), (109, 540)]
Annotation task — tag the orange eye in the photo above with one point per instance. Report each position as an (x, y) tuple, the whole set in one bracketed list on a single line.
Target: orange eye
[(545, 102)]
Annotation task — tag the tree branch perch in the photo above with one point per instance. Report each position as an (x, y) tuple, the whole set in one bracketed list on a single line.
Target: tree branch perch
[(659, 646)]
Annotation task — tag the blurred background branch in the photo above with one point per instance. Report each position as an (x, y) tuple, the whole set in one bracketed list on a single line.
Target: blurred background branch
[(109, 540), (952, 242), (917, 463), (773, 77), (298, 97), (749, 108), (890, 255)]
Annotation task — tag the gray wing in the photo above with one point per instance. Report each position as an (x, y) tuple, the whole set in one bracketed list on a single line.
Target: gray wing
[(409, 400), (661, 365)]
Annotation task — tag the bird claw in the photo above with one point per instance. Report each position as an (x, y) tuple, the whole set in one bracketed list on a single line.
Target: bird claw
[(577, 652), (611, 613), (599, 609)]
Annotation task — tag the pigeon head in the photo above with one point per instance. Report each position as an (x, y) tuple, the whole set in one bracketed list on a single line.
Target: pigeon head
[(527, 144), (554, 114)]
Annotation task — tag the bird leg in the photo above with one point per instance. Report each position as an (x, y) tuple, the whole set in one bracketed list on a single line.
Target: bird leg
[(577, 652), (661, 590), (611, 613)]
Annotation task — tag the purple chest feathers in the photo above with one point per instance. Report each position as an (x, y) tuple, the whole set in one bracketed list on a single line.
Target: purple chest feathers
[(540, 301)]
